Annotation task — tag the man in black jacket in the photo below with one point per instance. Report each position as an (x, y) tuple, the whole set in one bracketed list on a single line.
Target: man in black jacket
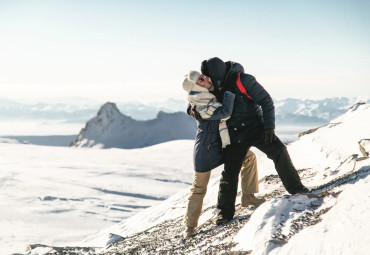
[(252, 123)]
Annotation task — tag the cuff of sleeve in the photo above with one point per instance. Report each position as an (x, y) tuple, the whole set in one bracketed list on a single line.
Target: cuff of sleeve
[(228, 93)]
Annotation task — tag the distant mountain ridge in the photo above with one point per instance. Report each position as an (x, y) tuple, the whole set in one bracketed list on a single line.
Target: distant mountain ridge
[(77, 110), (111, 129), (288, 110), (291, 111)]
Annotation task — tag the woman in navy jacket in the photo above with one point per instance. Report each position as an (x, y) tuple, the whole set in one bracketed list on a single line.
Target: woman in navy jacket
[(211, 138)]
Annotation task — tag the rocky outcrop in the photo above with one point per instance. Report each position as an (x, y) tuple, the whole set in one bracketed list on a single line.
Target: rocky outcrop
[(112, 129), (365, 147)]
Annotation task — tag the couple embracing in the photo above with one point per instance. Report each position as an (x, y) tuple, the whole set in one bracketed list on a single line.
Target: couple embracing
[(233, 113)]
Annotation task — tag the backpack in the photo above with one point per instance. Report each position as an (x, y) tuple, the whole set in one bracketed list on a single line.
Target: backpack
[(241, 87)]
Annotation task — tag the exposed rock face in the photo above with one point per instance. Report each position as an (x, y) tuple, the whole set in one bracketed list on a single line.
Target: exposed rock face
[(112, 129), (365, 147)]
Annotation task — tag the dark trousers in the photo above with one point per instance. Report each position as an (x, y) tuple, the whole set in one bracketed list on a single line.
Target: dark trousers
[(234, 155)]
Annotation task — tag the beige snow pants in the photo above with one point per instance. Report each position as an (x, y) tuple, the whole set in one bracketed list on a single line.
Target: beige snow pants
[(249, 185)]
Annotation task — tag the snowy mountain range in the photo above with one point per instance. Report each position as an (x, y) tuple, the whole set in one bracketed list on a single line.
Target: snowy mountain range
[(80, 110), (333, 161), (111, 129), (57, 122), (294, 111)]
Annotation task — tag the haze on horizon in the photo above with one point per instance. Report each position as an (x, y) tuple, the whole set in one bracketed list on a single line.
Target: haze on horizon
[(140, 51)]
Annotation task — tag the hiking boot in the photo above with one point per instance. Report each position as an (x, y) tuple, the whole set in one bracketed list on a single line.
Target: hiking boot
[(221, 220), (189, 232), (250, 199), (301, 190)]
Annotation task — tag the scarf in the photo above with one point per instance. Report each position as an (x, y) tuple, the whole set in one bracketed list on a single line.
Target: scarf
[(205, 104)]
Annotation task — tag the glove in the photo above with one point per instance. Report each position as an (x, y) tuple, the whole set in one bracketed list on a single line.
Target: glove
[(269, 136), (193, 113)]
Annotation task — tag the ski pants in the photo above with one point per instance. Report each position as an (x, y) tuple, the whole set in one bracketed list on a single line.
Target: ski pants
[(234, 155)]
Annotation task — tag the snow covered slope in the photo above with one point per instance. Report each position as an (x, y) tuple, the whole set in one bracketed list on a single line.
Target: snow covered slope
[(61, 195), (330, 161), (110, 129)]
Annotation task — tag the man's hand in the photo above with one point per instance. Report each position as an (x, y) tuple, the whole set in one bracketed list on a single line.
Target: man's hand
[(269, 136), (193, 113)]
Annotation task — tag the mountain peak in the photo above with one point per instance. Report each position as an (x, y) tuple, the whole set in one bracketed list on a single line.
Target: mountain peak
[(110, 128), (108, 109)]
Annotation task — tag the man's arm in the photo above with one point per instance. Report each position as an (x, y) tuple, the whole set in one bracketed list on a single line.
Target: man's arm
[(261, 97)]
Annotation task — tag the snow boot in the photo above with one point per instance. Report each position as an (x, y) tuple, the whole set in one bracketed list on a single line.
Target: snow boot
[(301, 190), (250, 199), (189, 232), (221, 220)]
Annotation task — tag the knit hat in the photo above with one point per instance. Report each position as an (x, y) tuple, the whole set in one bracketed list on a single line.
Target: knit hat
[(193, 76), (190, 84), (216, 69), (204, 68)]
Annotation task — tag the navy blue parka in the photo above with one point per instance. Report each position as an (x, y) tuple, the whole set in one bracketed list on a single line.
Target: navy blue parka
[(208, 152)]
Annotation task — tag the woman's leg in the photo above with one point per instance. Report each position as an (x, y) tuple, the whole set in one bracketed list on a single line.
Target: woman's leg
[(195, 201), (249, 174), (249, 181)]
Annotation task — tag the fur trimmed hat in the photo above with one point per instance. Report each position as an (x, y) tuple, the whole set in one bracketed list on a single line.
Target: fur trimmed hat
[(190, 84)]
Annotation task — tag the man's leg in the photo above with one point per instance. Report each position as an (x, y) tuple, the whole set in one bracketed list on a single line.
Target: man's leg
[(283, 164), (234, 156), (249, 181)]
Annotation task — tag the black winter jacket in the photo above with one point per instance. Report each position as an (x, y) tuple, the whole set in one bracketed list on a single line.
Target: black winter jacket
[(248, 114)]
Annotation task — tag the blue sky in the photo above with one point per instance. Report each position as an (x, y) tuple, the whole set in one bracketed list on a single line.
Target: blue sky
[(140, 50)]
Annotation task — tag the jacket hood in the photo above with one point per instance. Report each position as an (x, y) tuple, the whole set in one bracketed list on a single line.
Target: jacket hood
[(233, 68)]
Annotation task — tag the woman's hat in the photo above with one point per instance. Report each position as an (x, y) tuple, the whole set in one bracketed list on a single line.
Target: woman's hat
[(190, 82)]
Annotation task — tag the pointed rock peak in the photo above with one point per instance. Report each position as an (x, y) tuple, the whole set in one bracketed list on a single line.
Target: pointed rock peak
[(108, 109)]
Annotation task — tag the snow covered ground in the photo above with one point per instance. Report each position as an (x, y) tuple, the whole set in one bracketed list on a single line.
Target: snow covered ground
[(336, 223), (57, 196)]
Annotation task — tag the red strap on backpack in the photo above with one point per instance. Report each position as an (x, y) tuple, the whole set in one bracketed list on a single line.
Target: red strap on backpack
[(241, 87)]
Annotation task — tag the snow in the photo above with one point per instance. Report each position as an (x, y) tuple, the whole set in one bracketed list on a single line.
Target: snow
[(69, 196), (60, 195), (266, 221), (332, 145), (343, 230), (327, 154)]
